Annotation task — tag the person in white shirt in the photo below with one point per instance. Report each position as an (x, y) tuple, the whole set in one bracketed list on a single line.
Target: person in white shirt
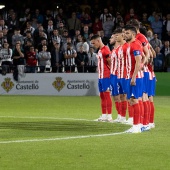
[(5, 57), (92, 61)]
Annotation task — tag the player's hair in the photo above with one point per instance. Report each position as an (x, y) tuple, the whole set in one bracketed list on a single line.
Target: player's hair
[(131, 28), (143, 31), (117, 30), (135, 23), (94, 37)]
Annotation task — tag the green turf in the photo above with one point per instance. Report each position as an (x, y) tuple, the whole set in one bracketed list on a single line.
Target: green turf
[(49, 118), (163, 84)]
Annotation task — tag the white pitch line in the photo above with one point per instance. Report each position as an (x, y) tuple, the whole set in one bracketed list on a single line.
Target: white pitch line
[(52, 118), (57, 139), (54, 139)]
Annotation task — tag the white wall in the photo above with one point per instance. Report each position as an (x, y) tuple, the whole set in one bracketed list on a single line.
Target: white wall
[(61, 84)]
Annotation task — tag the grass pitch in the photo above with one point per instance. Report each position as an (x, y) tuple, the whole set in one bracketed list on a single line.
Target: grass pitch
[(57, 133)]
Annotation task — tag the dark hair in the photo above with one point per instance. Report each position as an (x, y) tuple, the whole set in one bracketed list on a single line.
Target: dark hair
[(131, 28), (117, 30), (135, 23), (143, 31), (96, 36)]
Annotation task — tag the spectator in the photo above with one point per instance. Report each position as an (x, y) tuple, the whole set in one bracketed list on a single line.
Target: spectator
[(87, 21), (44, 58), (6, 58), (145, 22), (18, 55), (7, 36), (28, 37), (75, 38), (118, 20), (64, 44), (69, 58), (130, 15), (39, 16), (149, 35), (17, 37), (92, 61), (165, 50), (43, 42), (31, 60), (151, 18), (62, 28), (2, 39), (12, 23), (155, 42), (27, 46), (81, 60), (82, 42), (73, 23), (85, 32), (166, 27), (49, 28), (29, 27), (59, 20), (2, 25), (56, 58), (158, 60), (47, 17), (157, 26), (55, 37), (24, 17), (97, 25), (108, 27), (104, 15)]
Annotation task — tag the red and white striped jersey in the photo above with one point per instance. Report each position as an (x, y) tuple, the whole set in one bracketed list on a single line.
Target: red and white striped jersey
[(151, 72), (121, 63), (127, 60), (103, 68), (144, 42), (114, 62), (135, 49)]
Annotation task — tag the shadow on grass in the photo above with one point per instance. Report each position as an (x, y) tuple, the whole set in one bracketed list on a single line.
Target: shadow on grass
[(64, 126)]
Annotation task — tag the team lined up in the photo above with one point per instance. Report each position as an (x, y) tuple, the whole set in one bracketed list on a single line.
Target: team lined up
[(127, 72)]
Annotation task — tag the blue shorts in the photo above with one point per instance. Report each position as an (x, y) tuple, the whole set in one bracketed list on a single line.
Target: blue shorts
[(122, 84), (145, 82), (134, 91), (151, 87), (114, 85), (104, 84)]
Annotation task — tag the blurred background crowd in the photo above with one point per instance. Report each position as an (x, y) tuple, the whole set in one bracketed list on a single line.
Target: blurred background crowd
[(54, 36)]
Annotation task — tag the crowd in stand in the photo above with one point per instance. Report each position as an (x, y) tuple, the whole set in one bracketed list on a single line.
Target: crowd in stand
[(59, 41)]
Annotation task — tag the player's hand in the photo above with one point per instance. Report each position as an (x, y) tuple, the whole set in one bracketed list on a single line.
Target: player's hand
[(133, 82)]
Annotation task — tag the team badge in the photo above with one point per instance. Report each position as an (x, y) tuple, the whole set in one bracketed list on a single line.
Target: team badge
[(7, 85), (58, 84)]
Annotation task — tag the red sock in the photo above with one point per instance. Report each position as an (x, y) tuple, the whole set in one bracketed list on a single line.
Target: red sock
[(136, 118), (109, 102), (103, 103), (146, 113), (130, 110), (117, 107), (124, 108), (149, 110), (152, 113), (141, 111)]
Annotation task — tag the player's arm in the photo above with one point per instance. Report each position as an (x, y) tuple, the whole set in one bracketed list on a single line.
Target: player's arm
[(137, 67), (152, 54), (146, 53)]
